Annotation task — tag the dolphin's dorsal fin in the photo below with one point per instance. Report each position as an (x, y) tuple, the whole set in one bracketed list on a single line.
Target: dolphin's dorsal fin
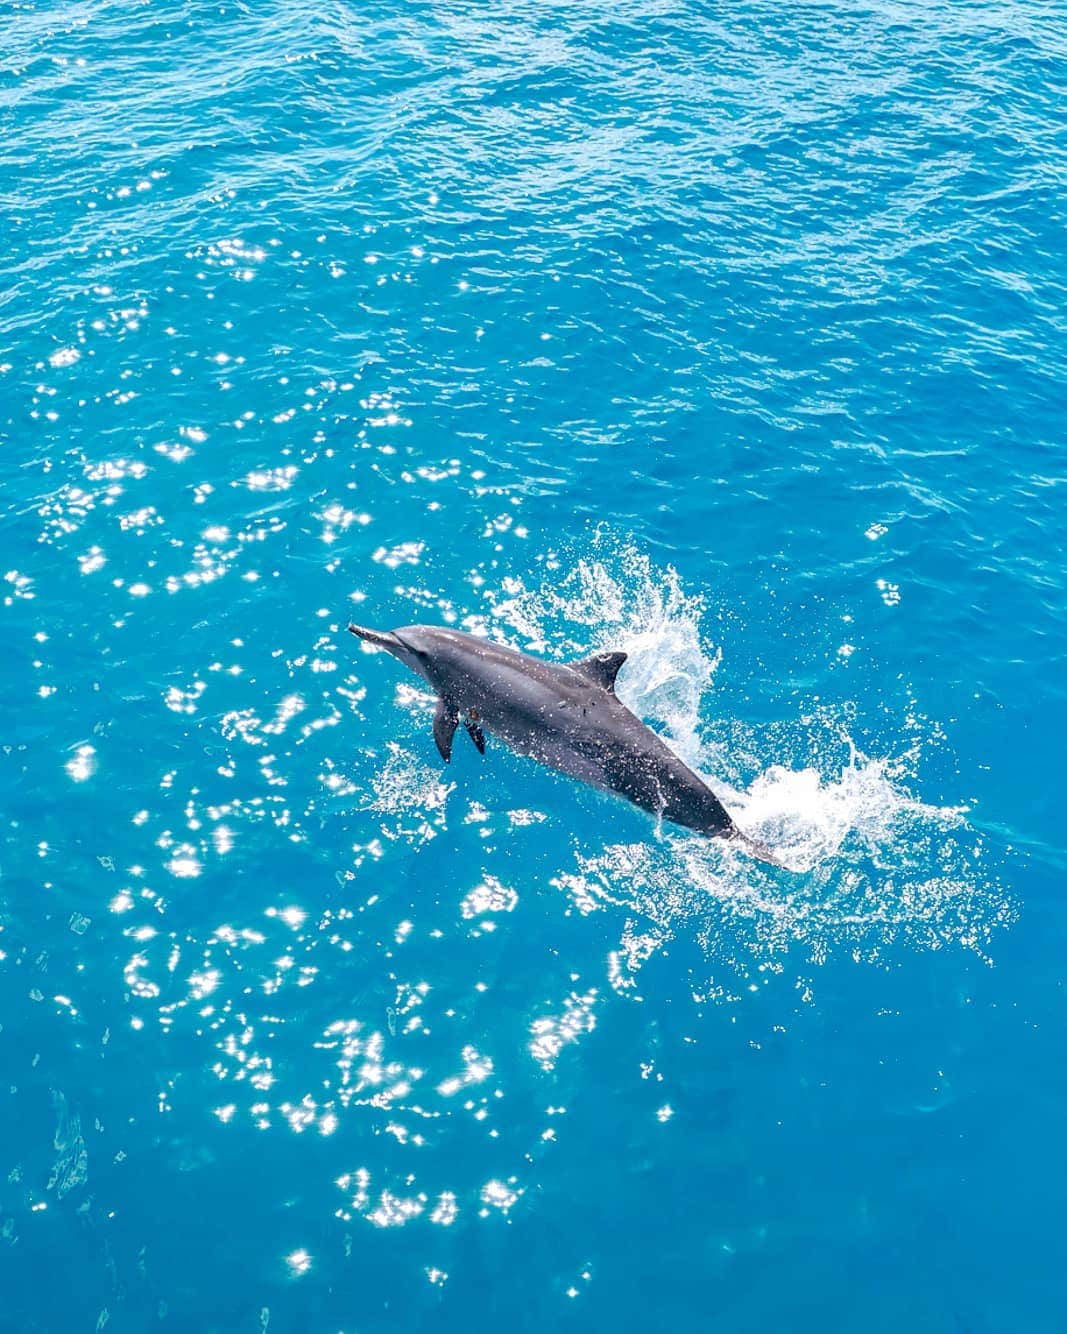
[(601, 668)]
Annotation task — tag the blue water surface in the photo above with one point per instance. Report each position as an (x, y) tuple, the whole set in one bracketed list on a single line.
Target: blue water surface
[(732, 336)]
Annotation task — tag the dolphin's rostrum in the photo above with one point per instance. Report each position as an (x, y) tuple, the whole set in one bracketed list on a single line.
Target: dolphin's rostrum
[(566, 715)]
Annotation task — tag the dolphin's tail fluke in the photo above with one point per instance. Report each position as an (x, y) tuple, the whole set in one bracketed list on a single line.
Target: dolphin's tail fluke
[(759, 850)]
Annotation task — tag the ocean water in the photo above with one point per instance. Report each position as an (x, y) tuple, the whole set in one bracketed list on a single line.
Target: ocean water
[(731, 336)]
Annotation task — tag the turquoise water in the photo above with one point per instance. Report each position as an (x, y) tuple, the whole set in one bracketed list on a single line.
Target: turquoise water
[(734, 338)]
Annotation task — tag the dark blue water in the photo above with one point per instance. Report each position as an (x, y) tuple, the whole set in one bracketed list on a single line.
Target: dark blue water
[(732, 337)]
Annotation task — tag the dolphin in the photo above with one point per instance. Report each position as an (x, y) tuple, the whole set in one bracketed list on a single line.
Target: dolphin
[(566, 715)]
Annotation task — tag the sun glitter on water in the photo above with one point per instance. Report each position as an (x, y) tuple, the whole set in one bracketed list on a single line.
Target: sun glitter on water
[(874, 869)]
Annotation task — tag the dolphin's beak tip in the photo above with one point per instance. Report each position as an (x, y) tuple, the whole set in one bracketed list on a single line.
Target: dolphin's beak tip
[(373, 637)]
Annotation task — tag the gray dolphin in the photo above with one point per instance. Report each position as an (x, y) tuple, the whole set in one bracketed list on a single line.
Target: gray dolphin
[(565, 715)]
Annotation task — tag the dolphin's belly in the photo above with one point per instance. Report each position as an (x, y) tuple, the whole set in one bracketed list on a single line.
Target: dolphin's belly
[(549, 731)]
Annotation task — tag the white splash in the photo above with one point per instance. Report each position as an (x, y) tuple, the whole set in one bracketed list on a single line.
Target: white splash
[(408, 785), (873, 864), (621, 602)]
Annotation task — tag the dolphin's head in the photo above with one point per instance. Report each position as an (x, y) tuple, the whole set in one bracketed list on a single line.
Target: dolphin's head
[(414, 645)]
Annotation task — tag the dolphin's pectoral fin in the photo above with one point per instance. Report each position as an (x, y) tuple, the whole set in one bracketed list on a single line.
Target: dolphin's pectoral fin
[(601, 668), (445, 722), (476, 734)]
